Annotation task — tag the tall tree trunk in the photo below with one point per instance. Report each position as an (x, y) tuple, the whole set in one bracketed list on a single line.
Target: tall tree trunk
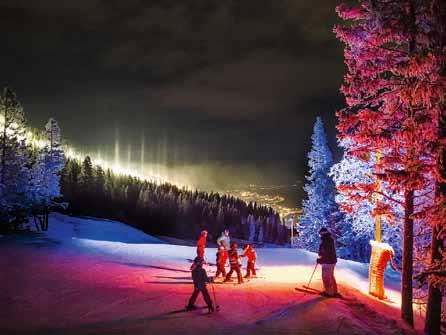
[(432, 322), (5, 126), (433, 313), (406, 284), (47, 213)]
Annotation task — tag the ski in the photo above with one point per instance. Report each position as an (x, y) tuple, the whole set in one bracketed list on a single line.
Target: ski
[(183, 310), (309, 290), (230, 282), (205, 263)]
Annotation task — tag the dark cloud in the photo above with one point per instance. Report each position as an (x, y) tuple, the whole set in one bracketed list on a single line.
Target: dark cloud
[(232, 80)]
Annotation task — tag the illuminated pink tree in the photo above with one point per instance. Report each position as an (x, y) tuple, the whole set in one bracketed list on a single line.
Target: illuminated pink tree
[(394, 92)]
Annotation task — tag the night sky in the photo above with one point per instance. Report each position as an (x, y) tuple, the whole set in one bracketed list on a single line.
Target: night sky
[(231, 85)]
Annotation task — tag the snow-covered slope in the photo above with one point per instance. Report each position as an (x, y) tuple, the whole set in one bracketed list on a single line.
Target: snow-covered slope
[(125, 243), (90, 276)]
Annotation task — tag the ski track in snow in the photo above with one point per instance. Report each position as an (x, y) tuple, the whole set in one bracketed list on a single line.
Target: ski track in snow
[(91, 276)]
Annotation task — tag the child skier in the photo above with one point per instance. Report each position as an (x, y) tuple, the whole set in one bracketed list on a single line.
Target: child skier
[(234, 261), (225, 241), (200, 279), (201, 243), (250, 253), (222, 257)]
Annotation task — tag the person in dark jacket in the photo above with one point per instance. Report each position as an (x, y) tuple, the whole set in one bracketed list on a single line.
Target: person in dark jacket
[(234, 261), (222, 257), (201, 243), (327, 258), (200, 279), (250, 253)]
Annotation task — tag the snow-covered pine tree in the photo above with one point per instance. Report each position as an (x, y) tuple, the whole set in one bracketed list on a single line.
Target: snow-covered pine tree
[(320, 207), (261, 231), (357, 227), (54, 158), (220, 221), (13, 161), (46, 174)]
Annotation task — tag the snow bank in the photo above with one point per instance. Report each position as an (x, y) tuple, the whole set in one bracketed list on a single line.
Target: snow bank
[(63, 227)]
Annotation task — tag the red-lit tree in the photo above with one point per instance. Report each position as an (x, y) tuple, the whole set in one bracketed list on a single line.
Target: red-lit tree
[(394, 91)]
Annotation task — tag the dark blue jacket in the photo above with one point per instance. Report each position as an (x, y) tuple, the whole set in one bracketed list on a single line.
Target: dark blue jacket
[(327, 250), (200, 277)]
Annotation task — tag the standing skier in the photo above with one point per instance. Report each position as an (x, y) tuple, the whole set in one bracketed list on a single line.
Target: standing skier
[(224, 239), (200, 279), (250, 253), (222, 257), (234, 261), (201, 243), (327, 258)]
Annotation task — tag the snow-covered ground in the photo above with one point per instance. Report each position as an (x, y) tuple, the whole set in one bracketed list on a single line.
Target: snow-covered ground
[(91, 276)]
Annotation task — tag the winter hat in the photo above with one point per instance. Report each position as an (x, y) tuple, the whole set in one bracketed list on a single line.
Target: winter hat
[(323, 230), (198, 260)]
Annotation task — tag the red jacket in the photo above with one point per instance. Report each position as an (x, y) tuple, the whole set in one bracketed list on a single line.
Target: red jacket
[(251, 254), (201, 245), (201, 242), (222, 257)]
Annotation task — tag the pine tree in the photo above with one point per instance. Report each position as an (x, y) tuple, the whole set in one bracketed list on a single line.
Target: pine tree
[(320, 207), (357, 226), (46, 174), (252, 228), (14, 172), (261, 232), (54, 158), (394, 90)]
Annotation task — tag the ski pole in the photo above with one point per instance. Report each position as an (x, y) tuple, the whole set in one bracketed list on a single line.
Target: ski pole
[(217, 306), (311, 278)]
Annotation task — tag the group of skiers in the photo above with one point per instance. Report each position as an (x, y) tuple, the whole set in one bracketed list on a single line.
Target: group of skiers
[(327, 258), (227, 250)]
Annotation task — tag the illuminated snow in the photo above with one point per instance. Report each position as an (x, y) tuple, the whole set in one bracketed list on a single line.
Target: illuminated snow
[(277, 265)]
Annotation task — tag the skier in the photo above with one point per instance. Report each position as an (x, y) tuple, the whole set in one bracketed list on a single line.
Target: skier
[(327, 258), (222, 257), (200, 279), (234, 261), (250, 253), (224, 239), (201, 243)]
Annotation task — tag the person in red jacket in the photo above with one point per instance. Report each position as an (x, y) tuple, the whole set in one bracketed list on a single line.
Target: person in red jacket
[(327, 258), (234, 261), (222, 257), (250, 253), (201, 243)]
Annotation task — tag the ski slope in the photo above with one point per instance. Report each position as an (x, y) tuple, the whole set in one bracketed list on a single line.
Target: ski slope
[(91, 276)]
